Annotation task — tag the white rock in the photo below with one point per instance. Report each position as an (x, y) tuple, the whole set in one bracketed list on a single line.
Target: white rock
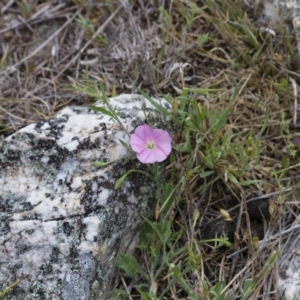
[(62, 223)]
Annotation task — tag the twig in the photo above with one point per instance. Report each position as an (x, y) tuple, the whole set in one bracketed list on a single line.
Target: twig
[(294, 85)]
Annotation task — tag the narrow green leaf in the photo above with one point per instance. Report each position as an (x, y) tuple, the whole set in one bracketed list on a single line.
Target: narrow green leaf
[(120, 181), (167, 202), (247, 289), (196, 216), (102, 164), (265, 124), (204, 91), (248, 182), (102, 110), (267, 266), (159, 107), (147, 296), (221, 120), (126, 145), (206, 174), (218, 291), (232, 178)]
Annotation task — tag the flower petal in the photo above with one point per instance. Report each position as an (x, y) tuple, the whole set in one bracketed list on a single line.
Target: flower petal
[(137, 144), (163, 148), (163, 141), (161, 136), (147, 157), (145, 132)]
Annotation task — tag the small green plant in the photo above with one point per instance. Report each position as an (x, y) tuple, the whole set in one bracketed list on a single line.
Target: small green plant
[(25, 8)]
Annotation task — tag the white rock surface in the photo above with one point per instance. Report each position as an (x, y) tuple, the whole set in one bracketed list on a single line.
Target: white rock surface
[(62, 223), (289, 263)]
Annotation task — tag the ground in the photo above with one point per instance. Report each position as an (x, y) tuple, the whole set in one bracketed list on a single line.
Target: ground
[(232, 79)]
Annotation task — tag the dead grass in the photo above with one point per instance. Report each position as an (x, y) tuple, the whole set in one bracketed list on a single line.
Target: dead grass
[(163, 47)]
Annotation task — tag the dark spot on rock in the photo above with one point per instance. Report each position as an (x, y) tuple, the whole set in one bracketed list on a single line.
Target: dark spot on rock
[(12, 154), (59, 282), (38, 126), (9, 157), (4, 227), (46, 269), (78, 111), (103, 126), (29, 137), (68, 180), (35, 157), (123, 115), (54, 255), (73, 252), (67, 228), (22, 248), (18, 265), (97, 142), (283, 274), (54, 159), (47, 195), (26, 206), (85, 144), (40, 291), (44, 144), (31, 231)]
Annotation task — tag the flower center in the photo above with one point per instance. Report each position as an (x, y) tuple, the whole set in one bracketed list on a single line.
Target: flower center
[(150, 145)]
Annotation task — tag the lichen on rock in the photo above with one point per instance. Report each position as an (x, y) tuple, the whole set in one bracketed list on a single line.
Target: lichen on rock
[(62, 221)]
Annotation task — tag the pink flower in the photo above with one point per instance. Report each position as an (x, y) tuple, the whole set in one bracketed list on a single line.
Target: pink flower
[(151, 145)]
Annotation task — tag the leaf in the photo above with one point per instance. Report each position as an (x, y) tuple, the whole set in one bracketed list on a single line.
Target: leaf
[(167, 202), (204, 91), (232, 178), (159, 107), (196, 216), (102, 163), (118, 294), (249, 182), (206, 174), (147, 296), (218, 291), (221, 120), (247, 288), (102, 110), (129, 265), (120, 181)]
